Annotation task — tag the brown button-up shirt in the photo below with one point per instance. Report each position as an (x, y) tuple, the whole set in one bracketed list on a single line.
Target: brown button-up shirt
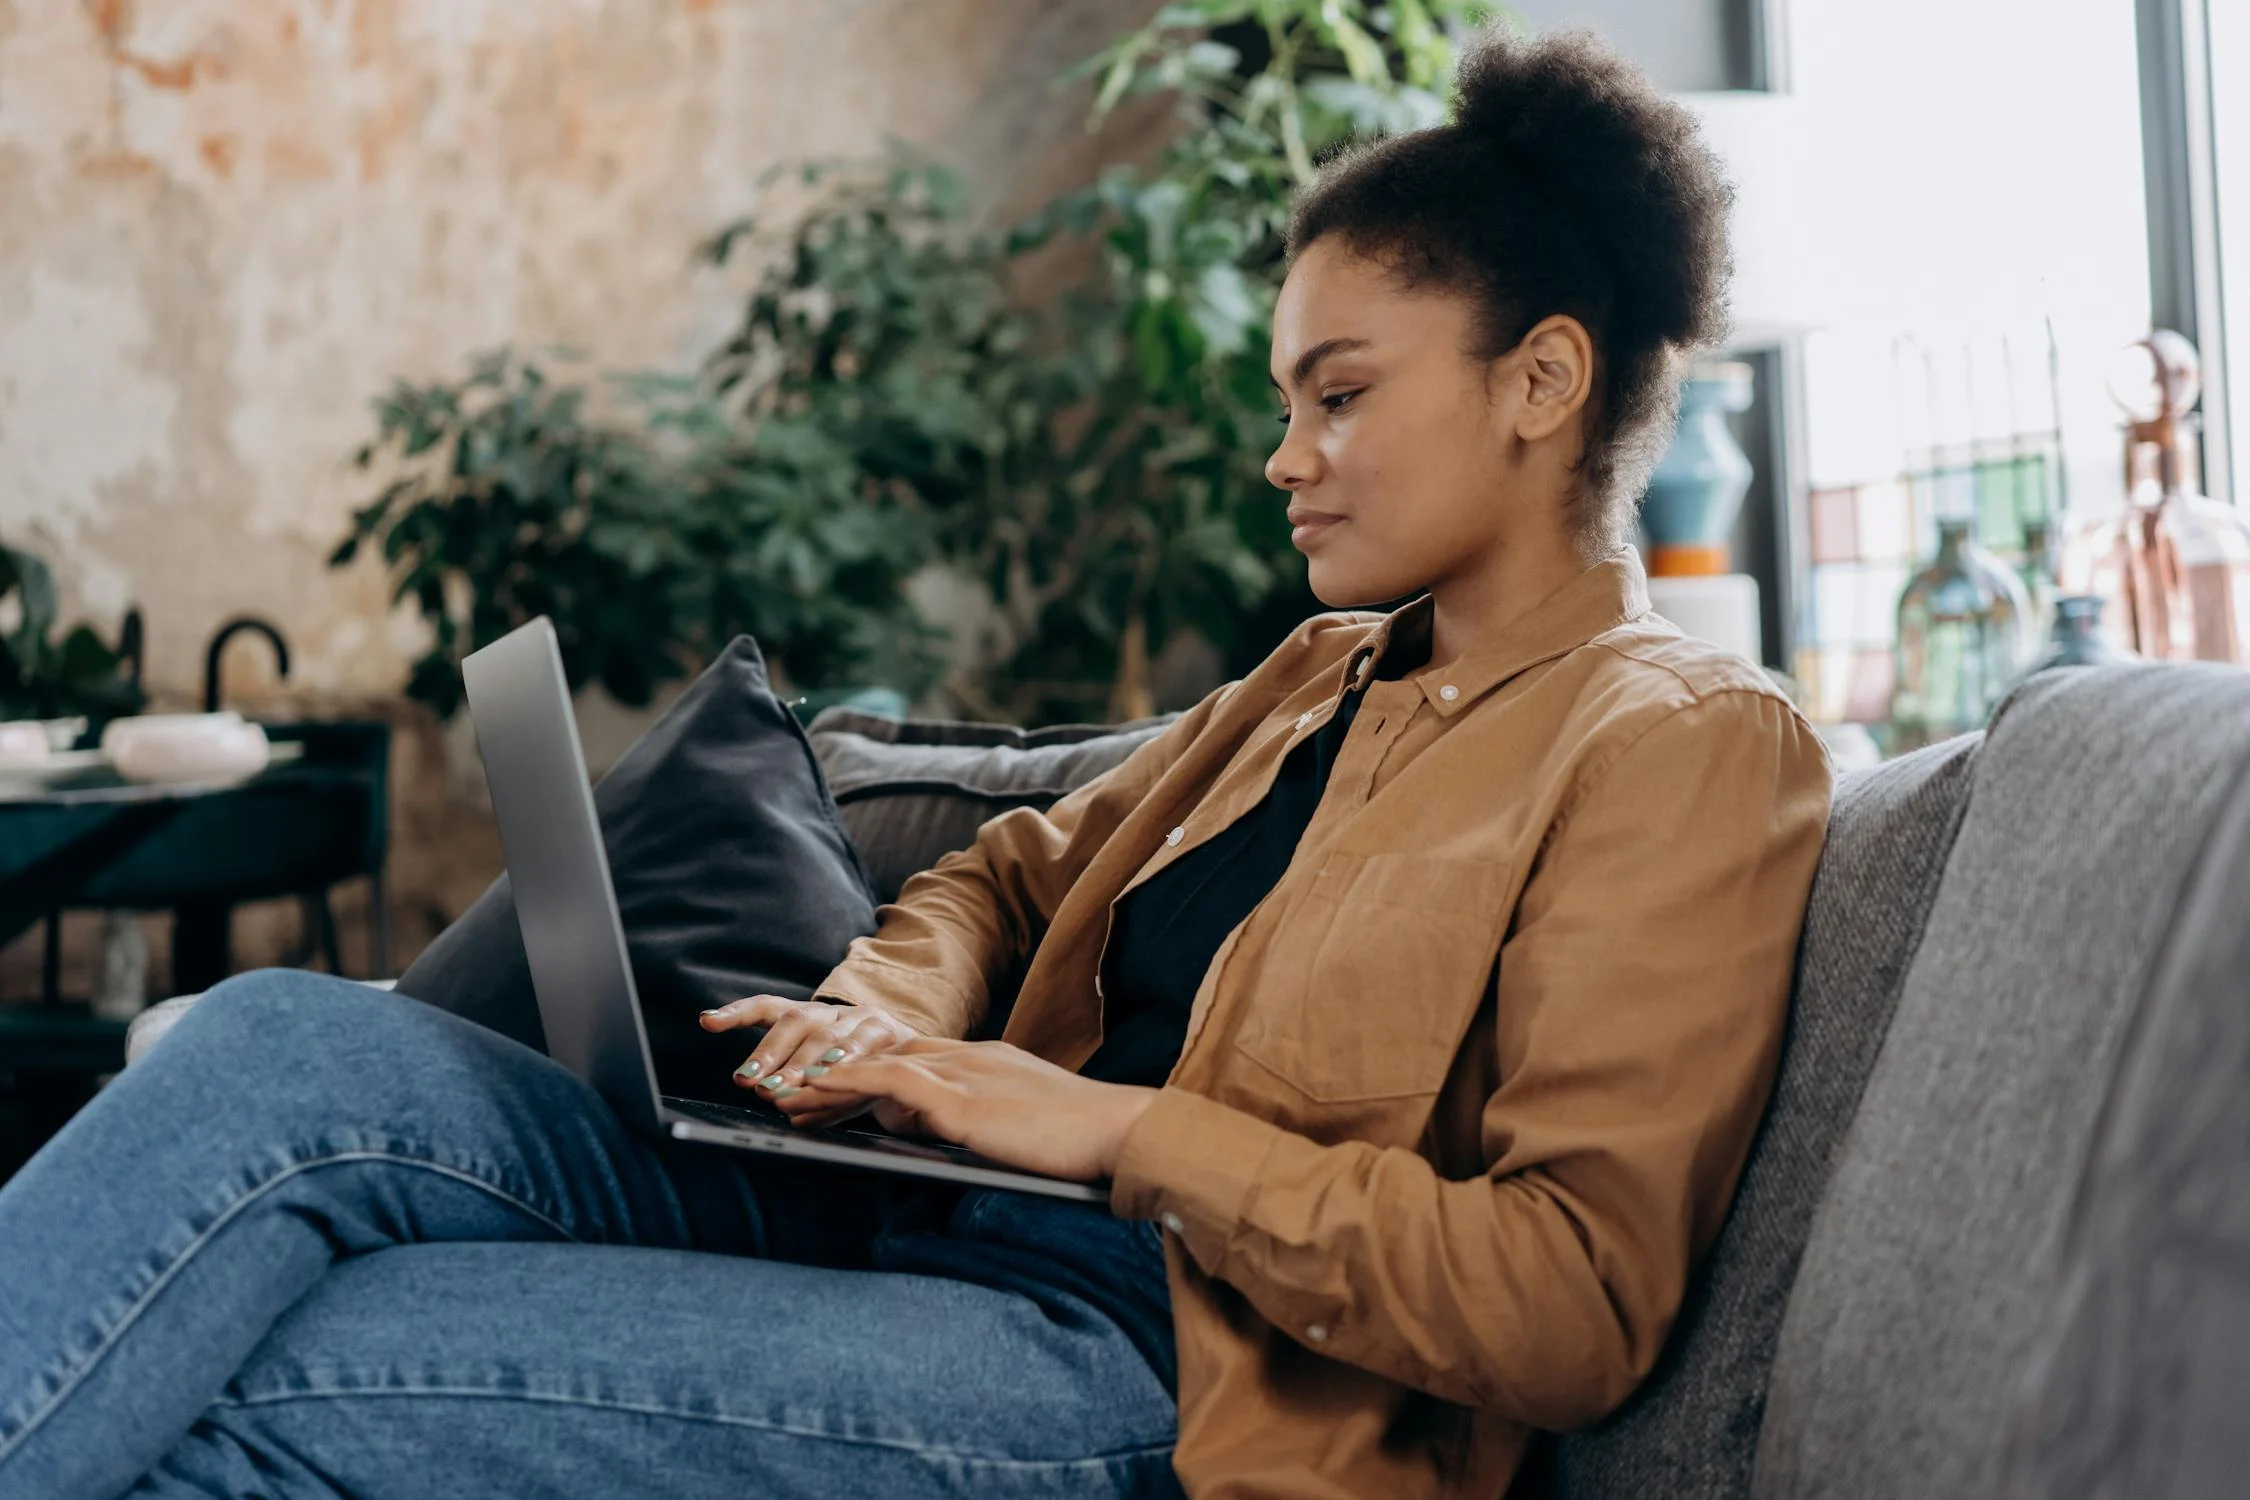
[(1466, 1095)]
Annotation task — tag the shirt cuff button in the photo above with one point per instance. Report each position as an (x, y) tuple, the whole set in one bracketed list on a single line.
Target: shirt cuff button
[(1172, 1222), (1316, 1334), (1175, 836), (1449, 692)]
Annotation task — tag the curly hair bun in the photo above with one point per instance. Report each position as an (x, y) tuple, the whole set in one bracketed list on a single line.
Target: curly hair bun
[(1627, 163)]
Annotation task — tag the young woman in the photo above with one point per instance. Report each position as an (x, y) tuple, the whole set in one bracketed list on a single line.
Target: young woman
[(1417, 995)]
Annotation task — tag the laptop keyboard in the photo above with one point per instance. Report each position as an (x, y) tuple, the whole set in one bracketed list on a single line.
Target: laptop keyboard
[(769, 1118), (727, 1114)]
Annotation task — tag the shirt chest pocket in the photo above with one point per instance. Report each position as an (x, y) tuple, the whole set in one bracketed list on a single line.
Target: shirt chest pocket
[(1366, 990)]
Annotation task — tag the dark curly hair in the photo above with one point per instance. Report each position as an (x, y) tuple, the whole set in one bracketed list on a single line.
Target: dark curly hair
[(1565, 184)]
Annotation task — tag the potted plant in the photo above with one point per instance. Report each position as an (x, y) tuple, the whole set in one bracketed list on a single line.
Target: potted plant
[(1092, 464), (508, 498), (77, 676)]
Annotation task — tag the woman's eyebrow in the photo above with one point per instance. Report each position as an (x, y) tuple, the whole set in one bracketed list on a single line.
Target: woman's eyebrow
[(1307, 361)]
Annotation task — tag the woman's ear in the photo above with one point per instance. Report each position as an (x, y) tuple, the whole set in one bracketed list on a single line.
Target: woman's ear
[(1555, 365)]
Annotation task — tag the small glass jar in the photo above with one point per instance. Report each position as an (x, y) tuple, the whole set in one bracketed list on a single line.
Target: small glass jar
[(1962, 626), (2078, 639)]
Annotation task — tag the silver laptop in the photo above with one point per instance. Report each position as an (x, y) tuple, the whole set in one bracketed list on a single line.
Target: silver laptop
[(576, 942)]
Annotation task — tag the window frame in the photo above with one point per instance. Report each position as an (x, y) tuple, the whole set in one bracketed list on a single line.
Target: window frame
[(2179, 150)]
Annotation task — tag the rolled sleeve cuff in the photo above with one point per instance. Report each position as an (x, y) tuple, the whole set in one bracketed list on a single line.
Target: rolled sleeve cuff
[(1192, 1165)]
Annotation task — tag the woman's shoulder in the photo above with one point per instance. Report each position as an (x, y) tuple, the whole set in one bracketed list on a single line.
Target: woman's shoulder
[(1652, 653), (1645, 679)]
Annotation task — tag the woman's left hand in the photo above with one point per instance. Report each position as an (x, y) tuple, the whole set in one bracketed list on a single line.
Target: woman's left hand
[(997, 1100)]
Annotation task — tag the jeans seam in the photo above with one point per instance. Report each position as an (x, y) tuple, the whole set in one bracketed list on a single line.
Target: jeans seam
[(656, 1409), (203, 1236)]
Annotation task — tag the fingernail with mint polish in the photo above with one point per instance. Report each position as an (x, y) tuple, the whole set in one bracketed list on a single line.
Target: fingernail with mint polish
[(833, 1054), (772, 1081), (749, 1071), (784, 1093), (817, 1070)]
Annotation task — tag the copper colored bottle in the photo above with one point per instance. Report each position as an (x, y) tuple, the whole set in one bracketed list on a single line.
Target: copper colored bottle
[(2174, 564)]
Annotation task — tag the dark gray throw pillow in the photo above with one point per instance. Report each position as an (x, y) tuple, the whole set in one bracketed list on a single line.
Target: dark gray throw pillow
[(734, 876), (912, 792)]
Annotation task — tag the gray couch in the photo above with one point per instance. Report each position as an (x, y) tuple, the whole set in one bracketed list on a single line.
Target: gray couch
[(1986, 919), (1942, 1228)]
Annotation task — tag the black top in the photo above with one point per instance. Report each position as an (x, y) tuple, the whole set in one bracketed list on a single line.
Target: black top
[(1166, 931), (1071, 1257), (1076, 1258)]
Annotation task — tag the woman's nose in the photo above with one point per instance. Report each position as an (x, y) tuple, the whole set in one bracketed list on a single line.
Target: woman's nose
[(1293, 463)]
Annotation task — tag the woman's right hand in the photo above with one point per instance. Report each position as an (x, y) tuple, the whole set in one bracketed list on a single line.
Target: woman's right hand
[(804, 1035)]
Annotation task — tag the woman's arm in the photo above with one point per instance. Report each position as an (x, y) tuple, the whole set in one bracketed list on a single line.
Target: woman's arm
[(1641, 997), (928, 969), (973, 918)]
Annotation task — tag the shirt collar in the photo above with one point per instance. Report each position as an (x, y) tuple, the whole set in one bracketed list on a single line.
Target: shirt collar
[(1603, 597)]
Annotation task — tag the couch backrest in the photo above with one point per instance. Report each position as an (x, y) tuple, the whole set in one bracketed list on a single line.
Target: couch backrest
[(1690, 1432), (912, 792), (2134, 1387), (1933, 1250)]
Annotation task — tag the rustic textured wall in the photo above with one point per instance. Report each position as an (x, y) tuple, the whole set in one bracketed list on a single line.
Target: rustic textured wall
[(228, 223)]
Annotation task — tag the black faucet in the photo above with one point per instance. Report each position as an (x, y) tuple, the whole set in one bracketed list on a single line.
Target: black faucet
[(219, 644)]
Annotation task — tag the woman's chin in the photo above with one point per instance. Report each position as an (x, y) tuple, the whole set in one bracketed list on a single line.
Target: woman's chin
[(1323, 583), (1340, 586)]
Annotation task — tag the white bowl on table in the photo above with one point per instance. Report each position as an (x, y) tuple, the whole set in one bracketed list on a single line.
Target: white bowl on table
[(186, 747), (24, 742)]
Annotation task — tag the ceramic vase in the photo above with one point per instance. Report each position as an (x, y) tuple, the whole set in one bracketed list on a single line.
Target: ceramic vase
[(1696, 489)]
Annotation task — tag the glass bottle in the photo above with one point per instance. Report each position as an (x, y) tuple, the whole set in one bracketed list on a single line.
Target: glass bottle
[(2078, 639), (1961, 635), (2174, 564)]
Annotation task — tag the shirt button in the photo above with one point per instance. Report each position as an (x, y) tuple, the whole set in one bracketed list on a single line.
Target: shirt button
[(1317, 1334), (1172, 1222), (1303, 719), (1449, 692), (1175, 836)]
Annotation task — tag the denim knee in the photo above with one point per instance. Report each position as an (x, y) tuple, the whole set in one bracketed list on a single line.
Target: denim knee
[(289, 1024), (271, 1003)]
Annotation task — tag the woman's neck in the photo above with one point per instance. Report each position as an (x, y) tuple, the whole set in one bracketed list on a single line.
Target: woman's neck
[(1495, 590)]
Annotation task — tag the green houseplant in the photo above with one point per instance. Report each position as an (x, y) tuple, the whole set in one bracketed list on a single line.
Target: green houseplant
[(1095, 463), (1092, 462), (507, 499), (42, 677)]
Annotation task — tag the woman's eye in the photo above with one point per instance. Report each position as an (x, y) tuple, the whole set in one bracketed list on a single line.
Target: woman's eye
[(1283, 419), (1338, 401)]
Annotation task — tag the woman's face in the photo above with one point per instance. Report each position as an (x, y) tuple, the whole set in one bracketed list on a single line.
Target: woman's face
[(1407, 461)]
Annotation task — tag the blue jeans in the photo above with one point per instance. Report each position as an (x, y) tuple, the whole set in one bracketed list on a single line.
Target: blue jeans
[(325, 1241)]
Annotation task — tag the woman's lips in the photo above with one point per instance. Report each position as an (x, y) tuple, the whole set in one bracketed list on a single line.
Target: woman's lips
[(1304, 525)]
